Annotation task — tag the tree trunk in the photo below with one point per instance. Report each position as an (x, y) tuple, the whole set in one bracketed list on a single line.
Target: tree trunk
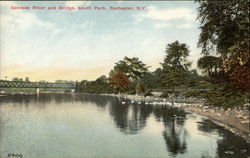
[(173, 88)]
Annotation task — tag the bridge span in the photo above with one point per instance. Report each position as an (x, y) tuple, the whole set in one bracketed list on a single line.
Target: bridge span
[(37, 85)]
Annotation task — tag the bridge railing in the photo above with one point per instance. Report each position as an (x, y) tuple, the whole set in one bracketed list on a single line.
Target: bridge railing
[(18, 84)]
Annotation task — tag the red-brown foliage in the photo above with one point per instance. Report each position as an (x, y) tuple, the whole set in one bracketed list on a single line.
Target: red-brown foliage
[(120, 80), (240, 77)]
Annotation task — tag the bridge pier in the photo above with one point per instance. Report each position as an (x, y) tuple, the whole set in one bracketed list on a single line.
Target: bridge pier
[(37, 90)]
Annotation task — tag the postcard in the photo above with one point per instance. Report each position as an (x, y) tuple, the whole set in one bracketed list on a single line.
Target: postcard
[(124, 79)]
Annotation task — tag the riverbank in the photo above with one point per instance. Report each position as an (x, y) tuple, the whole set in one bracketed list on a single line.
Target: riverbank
[(235, 119)]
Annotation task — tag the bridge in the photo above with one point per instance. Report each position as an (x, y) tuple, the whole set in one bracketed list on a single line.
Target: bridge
[(37, 85)]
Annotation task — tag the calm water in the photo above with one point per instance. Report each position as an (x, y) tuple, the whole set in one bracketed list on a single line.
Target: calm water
[(74, 126)]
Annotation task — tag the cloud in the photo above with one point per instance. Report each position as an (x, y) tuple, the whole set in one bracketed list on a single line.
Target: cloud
[(87, 24), (185, 25), (18, 19), (170, 14), (159, 25), (27, 20), (186, 15)]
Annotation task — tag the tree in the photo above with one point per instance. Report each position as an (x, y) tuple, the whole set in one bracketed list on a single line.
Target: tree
[(225, 26), (209, 64), (119, 80), (223, 23), (102, 79), (175, 64), (100, 85), (17, 79), (133, 68), (193, 78), (157, 75), (27, 79)]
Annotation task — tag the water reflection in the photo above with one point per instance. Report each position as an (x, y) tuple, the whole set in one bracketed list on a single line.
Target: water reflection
[(129, 118), (229, 145), (174, 133), (179, 136)]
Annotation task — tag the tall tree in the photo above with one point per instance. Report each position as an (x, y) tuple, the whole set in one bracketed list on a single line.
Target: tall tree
[(133, 68), (175, 64), (225, 26)]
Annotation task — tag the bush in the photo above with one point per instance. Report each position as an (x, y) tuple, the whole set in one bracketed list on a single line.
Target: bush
[(226, 97), (194, 93), (148, 92)]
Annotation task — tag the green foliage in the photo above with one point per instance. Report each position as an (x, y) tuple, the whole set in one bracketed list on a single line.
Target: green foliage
[(100, 85), (42, 81), (133, 68), (17, 79), (138, 88), (209, 64), (195, 93), (64, 81), (175, 64), (192, 78), (226, 97), (152, 80), (26, 79), (223, 24), (148, 92)]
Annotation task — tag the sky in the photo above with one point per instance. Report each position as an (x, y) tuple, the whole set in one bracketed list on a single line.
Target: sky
[(85, 44)]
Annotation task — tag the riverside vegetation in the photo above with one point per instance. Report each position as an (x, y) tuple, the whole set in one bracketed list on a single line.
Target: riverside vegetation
[(225, 79)]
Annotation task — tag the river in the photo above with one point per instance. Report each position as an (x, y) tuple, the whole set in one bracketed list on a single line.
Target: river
[(91, 126)]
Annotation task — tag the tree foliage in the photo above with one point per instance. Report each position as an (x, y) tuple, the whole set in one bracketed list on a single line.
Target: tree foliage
[(138, 88), (119, 80), (175, 64), (225, 26), (133, 68), (209, 64), (26, 79), (17, 79), (100, 85)]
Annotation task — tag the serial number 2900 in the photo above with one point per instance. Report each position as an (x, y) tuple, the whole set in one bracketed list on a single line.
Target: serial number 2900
[(15, 155)]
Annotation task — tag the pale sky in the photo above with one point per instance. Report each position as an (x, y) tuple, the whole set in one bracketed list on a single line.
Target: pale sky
[(85, 44)]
